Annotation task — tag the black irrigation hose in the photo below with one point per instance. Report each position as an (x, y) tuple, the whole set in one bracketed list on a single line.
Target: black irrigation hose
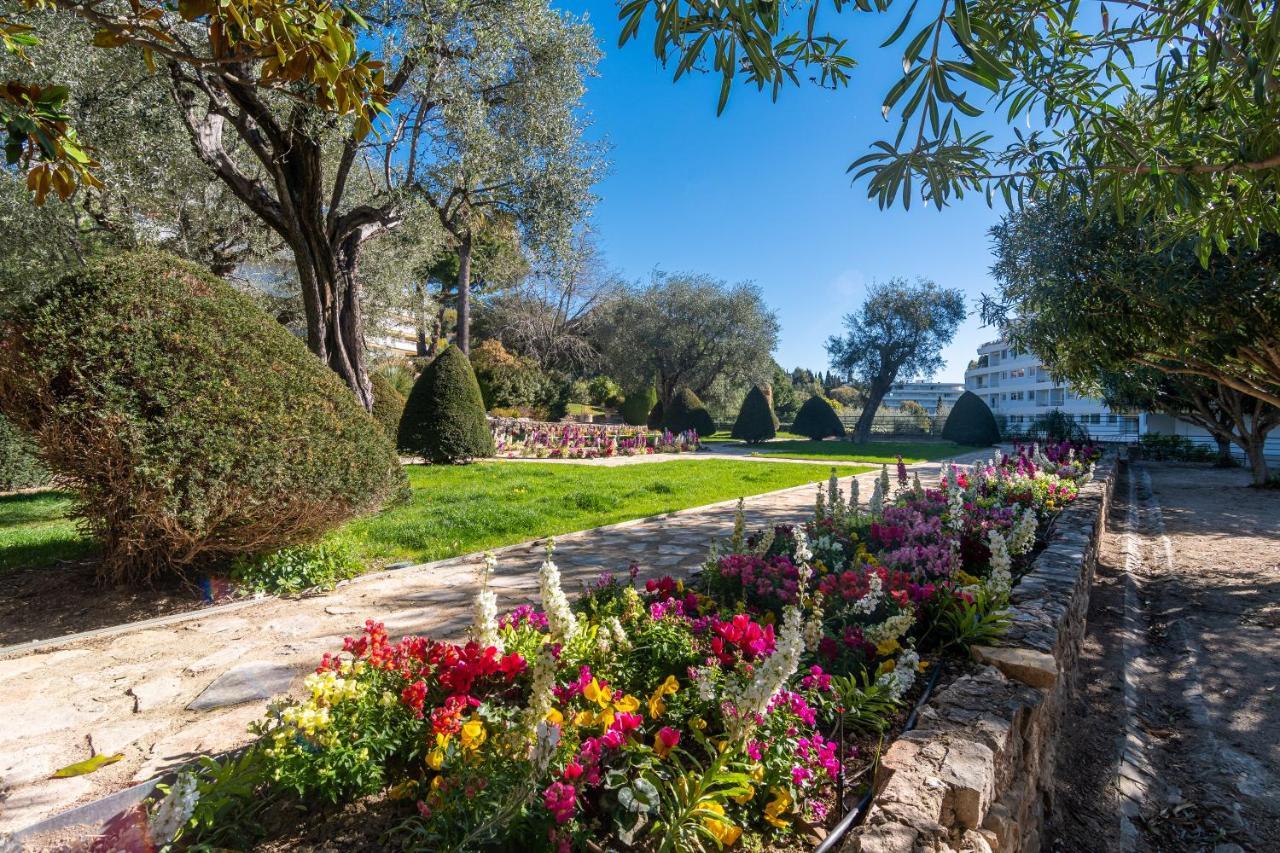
[(841, 829)]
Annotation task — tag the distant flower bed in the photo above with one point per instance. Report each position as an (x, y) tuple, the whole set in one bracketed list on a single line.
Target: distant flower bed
[(661, 716), (539, 440)]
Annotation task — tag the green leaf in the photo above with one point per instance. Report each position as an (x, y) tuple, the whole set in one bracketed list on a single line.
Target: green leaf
[(89, 765)]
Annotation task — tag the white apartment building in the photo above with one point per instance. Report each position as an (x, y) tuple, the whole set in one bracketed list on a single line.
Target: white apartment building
[(1018, 388), (927, 394)]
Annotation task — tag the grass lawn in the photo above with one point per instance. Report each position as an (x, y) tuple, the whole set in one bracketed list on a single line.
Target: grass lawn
[(457, 510), (35, 531), (465, 508), (874, 452)]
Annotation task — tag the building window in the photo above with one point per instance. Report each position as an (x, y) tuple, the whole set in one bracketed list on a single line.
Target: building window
[(1015, 395)]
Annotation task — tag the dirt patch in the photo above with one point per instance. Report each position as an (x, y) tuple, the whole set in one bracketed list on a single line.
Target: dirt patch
[(52, 601), (1205, 564)]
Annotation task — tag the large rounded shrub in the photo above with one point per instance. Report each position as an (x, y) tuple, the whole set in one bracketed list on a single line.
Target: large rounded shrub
[(444, 418), (971, 422), (654, 421), (388, 405), (756, 421), (20, 468), (638, 404), (193, 426), (817, 420), (687, 412)]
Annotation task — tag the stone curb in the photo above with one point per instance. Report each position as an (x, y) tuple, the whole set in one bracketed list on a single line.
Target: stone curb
[(976, 773)]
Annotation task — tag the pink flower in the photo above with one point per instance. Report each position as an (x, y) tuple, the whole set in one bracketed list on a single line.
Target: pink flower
[(560, 799), (665, 741), (625, 722)]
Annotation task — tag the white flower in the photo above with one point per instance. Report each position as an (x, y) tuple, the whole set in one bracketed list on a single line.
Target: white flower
[(813, 631), (884, 481), (1023, 537), (819, 505), (890, 629), (485, 627), (706, 684), (560, 619), (903, 675), (1000, 580), (916, 488), (771, 675), (854, 498), (869, 602), (739, 528), (620, 639), (174, 810), (546, 739), (541, 697), (876, 505)]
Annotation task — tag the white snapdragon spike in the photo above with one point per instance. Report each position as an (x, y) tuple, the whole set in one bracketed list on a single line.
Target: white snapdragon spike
[(955, 507), (819, 505), (541, 695), (766, 541), (620, 639), (546, 739), (485, 627), (875, 594), (738, 543), (772, 674), (890, 629), (706, 685), (174, 810), (903, 676), (1000, 581), (917, 489), (835, 499), (560, 619), (813, 627), (876, 505), (855, 499), (1023, 538), (884, 483)]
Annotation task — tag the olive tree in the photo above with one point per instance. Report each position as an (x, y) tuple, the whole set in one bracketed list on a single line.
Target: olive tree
[(897, 334), (684, 330)]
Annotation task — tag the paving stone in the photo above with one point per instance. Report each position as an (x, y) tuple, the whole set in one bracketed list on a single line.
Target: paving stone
[(154, 693), (215, 659), (245, 683)]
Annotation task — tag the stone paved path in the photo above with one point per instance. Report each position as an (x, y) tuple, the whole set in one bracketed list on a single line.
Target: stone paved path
[(162, 695)]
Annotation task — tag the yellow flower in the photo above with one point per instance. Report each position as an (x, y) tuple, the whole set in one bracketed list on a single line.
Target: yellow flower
[(402, 791), (778, 806), (442, 739), (697, 723), (555, 717), (964, 578), (595, 692), (584, 718), (757, 773), (724, 830), (888, 647), (605, 718), (627, 704), (746, 796), (473, 734), (435, 758), (657, 705), (886, 666)]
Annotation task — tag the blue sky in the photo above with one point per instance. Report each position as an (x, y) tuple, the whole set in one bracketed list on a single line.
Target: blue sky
[(761, 193)]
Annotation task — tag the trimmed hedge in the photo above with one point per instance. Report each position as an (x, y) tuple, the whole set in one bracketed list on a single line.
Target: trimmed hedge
[(444, 418), (388, 405), (756, 420), (687, 412), (638, 404), (194, 427), (654, 421), (817, 420), (20, 468), (971, 422)]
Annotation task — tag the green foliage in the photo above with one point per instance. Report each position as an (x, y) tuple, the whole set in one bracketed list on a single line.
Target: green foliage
[(1177, 447), (398, 375), (299, 568), (197, 430), (388, 405), (964, 624), (604, 392), (687, 412), (756, 420), (817, 420), (638, 404), (656, 416), (232, 799), (509, 381), (682, 823), (785, 402), (971, 422), (444, 417), (869, 706), (19, 466)]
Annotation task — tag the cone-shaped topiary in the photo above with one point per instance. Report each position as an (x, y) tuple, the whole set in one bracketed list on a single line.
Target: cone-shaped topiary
[(654, 421), (817, 420), (388, 405), (638, 404), (193, 427), (756, 421), (687, 412), (443, 418), (971, 422)]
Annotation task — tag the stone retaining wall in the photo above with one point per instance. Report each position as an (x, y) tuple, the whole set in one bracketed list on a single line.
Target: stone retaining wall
[(976, 774)]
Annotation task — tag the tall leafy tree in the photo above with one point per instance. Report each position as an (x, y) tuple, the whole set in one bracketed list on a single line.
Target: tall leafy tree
[(897, 334), (1090, 294), (688, 330), (1168, 106)]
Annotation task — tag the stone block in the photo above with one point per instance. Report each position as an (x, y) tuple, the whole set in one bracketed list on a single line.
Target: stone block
[(1029, 666)]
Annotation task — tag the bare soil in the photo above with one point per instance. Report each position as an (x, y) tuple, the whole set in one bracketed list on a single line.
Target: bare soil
[(53, 601), (1207, 606)]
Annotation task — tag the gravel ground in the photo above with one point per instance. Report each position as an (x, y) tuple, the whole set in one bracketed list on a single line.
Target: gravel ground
[(1184, 615)]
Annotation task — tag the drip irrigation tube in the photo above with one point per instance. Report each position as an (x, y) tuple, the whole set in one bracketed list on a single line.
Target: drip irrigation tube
[(853, 818)]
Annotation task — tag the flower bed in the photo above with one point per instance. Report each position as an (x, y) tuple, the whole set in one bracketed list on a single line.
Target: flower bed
[(538, 440), (657, 717)]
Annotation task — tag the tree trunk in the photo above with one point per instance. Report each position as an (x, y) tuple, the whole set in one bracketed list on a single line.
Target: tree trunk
[(1253, 449), (875, 393), (1224, 452), (464, 295)]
